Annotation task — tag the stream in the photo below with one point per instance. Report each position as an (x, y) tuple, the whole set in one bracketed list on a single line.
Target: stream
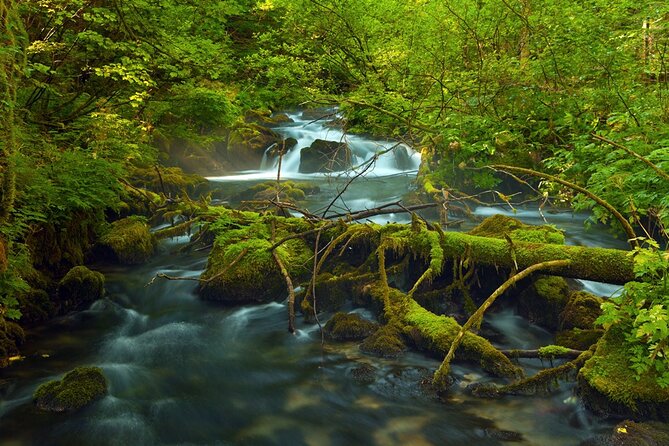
[(187, 372)]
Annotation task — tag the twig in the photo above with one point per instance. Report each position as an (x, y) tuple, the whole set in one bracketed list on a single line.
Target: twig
[(442, 372), (631, 152)]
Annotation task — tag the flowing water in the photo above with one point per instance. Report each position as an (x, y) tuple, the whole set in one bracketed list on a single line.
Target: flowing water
[(187, 372)]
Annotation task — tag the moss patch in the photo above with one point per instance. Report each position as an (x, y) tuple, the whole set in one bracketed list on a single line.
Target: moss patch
[(36, 306), (168, 180), (385, 342), (607, 374), (499, 226), (78, 388), (544, 301), (348, 327), (581, 311), (79, 287), (129, 241), (286, 191), (578, 339)]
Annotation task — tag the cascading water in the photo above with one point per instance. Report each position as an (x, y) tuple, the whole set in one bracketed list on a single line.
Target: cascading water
[(184, 371)]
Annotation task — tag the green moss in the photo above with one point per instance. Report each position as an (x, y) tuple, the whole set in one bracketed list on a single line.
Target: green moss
[(544, 301), (78, 388), (129, 241), (385, 342), (552, 351), (578, 339), (608, 372), (245, 239), (348, 327), (629, 433), (35, 306), (286, 191), (171, 180), (498, 226), (80, 286), (581, 311)]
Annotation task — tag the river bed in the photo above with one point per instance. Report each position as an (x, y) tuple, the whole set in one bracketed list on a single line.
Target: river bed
[(187, 372)]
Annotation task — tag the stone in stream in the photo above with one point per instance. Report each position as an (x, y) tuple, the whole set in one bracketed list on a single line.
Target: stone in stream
[(348, 327), (78, 388), (80, 287), (402, 158), (128, 241), (325, 156)]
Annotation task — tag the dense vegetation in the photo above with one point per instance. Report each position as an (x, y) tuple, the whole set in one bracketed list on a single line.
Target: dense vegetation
[(578, 90)]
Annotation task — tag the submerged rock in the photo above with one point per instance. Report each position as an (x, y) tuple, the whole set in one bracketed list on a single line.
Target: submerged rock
[(80, 287), (128, 241), (78, 388), (325, 156), (348, 327)]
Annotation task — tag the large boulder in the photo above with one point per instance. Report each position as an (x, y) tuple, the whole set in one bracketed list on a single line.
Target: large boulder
[(348, 327), (80, 287), (325, 156), (128, 241), (78, 388)]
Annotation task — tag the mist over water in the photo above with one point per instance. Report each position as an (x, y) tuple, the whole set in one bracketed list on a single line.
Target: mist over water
[(184, 371)]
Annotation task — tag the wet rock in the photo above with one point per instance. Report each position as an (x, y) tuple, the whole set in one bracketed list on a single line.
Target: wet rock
[(406, 382), (503, 435), (314, 114), (385, 342), (267, 118), (325, 156), (365, 374), (483, 390), (128, 241), (36, 307), (348, 327), (78, 388), (578, 339), (402, 158), (80, 287)]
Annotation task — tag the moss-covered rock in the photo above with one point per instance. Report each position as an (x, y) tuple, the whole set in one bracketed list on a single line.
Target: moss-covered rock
[(78, 388), (348, 327), (36, 306), (581, 311), (385, 342), (607, 388), (499, 226), (11, 338), (80, 287), (128, 241), (577, 338), (544, 301), (241, 267), (286, 191), (168, 180)]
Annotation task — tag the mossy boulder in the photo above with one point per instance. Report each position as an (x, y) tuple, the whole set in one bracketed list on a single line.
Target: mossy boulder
[(78, 388), (325, 156), (607, 388), (501, 226), (544, 301), (11, 338), (36, 306), (348, 327), (169, 180), (286, 191), (128, 241), (80, 287), (241, 267), (581, 311), (246, 144), (577, 338), (385, 342)]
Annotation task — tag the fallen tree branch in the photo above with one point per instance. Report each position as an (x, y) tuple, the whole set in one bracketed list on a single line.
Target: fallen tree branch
[(291, 292), (441, 375), (629, 231), (631, 152), (567, 353)]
